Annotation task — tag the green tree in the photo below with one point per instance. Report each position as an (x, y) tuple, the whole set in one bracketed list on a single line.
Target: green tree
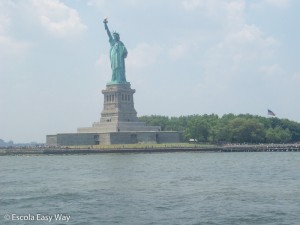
[(155, 120), (278, 135), (229, 128), (198, 128), (247, 130), (177, 123)]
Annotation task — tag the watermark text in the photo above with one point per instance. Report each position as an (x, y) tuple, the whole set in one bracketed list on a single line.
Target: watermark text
[(37, 217)]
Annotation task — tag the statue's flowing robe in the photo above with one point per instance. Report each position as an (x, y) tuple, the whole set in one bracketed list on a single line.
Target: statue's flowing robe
[(118, 53)]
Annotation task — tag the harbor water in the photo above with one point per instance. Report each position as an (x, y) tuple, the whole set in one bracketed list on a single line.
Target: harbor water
[(152, 188)]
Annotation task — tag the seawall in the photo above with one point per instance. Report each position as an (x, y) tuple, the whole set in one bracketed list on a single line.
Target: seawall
[(227, 148)]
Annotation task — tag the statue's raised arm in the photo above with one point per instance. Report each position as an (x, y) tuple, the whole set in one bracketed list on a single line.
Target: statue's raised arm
[(105, 21), (118, 53)]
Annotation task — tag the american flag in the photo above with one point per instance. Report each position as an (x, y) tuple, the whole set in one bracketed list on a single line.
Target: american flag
[(270, 113)]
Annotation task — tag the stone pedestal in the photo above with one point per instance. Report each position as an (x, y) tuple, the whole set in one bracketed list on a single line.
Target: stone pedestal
[(118, 112), (118, 124)]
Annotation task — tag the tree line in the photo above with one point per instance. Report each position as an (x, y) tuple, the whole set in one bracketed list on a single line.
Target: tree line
[(229, 128)]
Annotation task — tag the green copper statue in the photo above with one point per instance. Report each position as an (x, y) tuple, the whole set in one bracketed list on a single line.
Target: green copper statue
[(118, 53)]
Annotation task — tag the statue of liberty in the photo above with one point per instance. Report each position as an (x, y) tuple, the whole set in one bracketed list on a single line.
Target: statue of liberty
[(118, 53)]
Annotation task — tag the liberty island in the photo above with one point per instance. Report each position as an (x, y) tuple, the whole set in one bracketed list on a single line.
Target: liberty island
[(118, 122)]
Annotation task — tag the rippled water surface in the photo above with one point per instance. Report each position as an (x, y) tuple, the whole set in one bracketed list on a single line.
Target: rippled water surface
[(160, 188)]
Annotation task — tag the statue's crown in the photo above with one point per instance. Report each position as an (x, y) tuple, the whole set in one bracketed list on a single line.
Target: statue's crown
[(115, 33)]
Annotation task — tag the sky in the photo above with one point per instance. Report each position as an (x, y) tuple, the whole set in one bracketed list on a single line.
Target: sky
[(185, 57)]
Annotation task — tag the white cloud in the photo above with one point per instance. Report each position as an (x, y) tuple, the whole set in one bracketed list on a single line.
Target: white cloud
[(238, 54), (142, 56), (235, 56), (8, 45), (238, 49), (296, 78), (234, 12), (230, 13), (98, 3), (270, 69), (214, 9), (4, 23), (5, 19), (265, 4), (279, 3), (103, 64), (178, 51), (249, 34), (193, 4), (102, 61), (57, 18)]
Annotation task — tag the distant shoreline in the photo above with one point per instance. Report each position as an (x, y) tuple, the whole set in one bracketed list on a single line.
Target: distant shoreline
[(91, 150)]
